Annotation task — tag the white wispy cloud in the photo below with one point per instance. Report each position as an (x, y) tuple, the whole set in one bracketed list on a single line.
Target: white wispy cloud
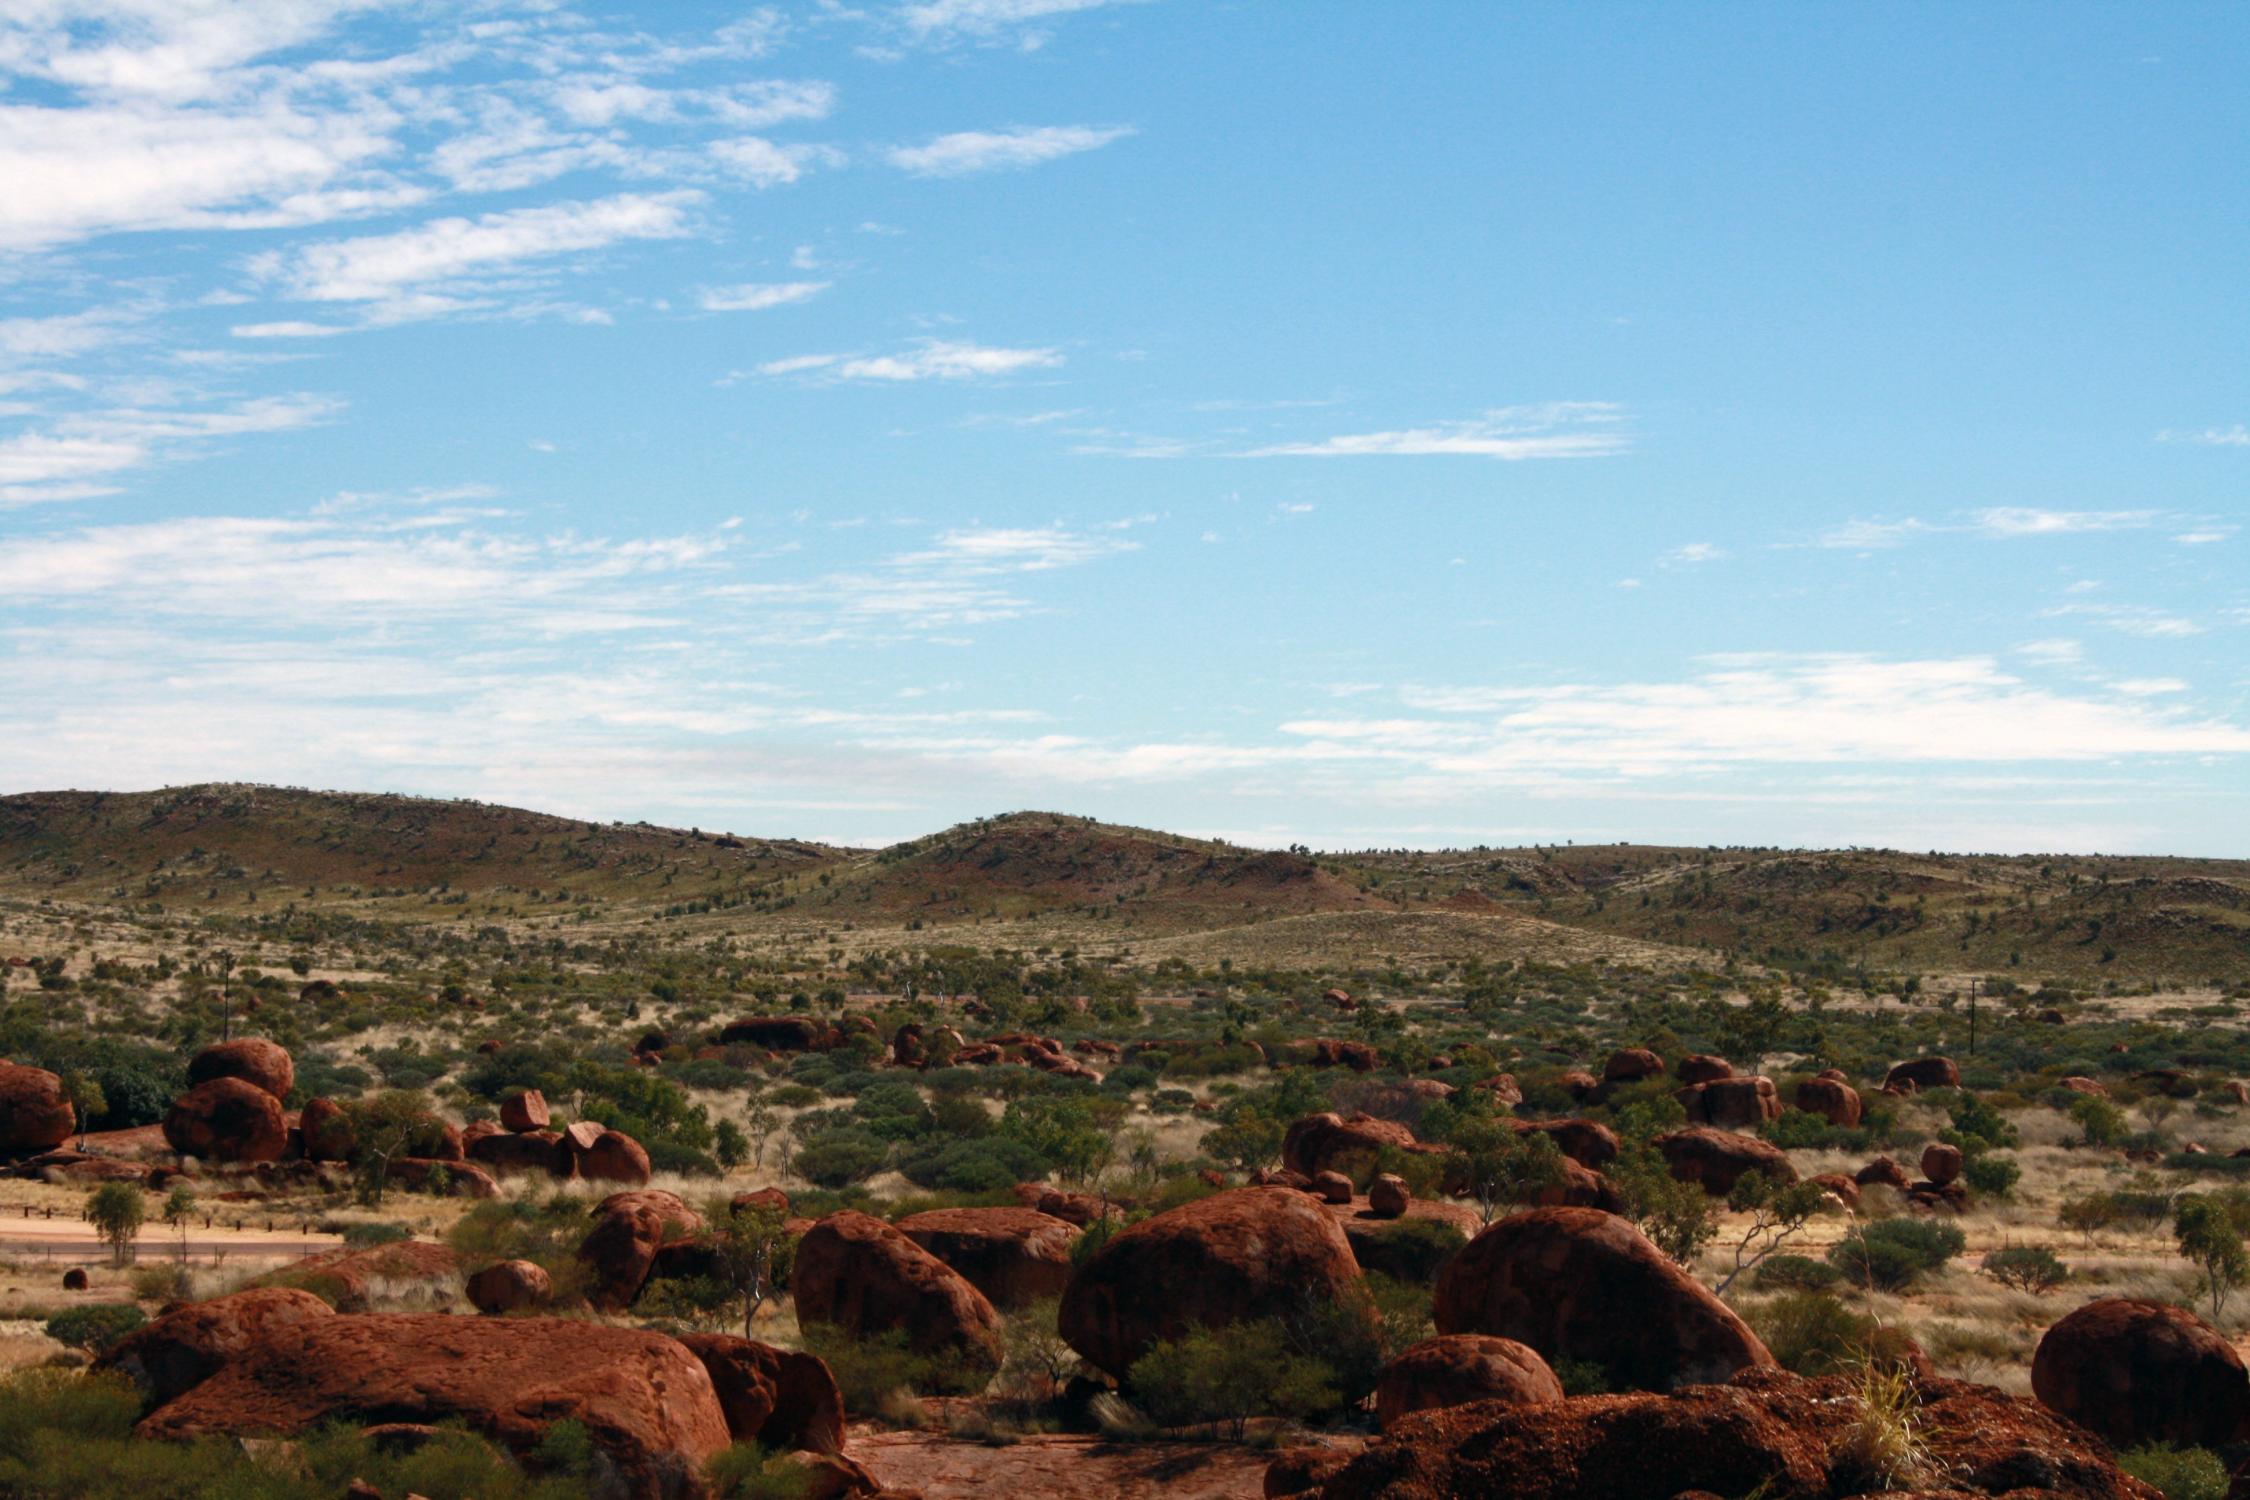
[(756, 296), (931, 359), (1694, 553), (1556, 429), (2014, 521), (434, 266), (969, 151), (2235, 436), (942, 20), (763, 163), (2132, 619), (83, 454)]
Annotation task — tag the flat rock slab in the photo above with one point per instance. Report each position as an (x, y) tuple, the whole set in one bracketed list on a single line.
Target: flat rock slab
[(943, 1468)]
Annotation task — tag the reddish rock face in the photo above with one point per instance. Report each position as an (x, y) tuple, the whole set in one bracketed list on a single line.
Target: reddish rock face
[(865, 1277), (1324, 1142), (1388, 1196), (326, 1131), (1882, 1172), (1580, 1284), (1732, 1103), (1579, 1187), (227, 1119), (1765, 1433), (777, 1398), (510, 1286), (1577, 1084), (621, 1249), (1455, 1368), (2143, 1372), (1631, 1065), (645, 1400), (1015, 1256), (1699, 1068), (1834, 1101), (1502, 1087), (184, 1348), (1941, 1163), (75, 1280), (1924, 1073), (35, 1113), (1080, 1209), (2078, 1085), (524, 1110), (772, 1198), (614, 1157), (1716, 1159), (263, 1063), (1586, 1142), (1233, 1257), (459, 1179), (346, 1277), (1330, 1187)]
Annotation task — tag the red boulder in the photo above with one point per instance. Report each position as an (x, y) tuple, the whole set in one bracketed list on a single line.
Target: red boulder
[(1015, 1256), (1460, 1367), (865, 1277), (1579, 1284), (35, 1113), (266, 1064), (2143, 1372), (227, 1119)]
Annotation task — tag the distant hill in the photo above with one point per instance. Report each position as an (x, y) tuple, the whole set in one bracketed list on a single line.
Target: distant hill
[(220, 844), (231, 847)]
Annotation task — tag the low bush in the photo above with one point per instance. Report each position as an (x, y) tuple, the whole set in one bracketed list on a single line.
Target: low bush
[(2027, 1268), (1814, 1333), (1794, 1273), (1992, 1175), (1224, 1377), (2178, 1473), (1892, 1254), (95, 1326)]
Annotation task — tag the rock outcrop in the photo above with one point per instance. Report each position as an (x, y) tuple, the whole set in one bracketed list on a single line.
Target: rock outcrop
[(2143, 1372), (227, 1119), (1233, 1257), (865, 1277), (1577, 1284), (35, 1112), (253, 1060), (1717, 1159), (1015, 1256), (1456, 1368)]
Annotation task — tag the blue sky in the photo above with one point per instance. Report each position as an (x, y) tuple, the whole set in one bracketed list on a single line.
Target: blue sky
[(1369, 425)]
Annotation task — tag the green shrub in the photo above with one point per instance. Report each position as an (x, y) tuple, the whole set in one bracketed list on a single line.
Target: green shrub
[(747, 1472), (838, 1158), (1891, 1254), (2027, 1268), (1814, 1333), (1793, 1273), (1992, 1175), (868, 1369), (1224, 1377), (1410, 1250), (982, 1165), (95, 1326), (365, 1236), (2179, 1473)]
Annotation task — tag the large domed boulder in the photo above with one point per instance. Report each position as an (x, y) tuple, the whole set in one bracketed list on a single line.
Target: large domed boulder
[(1922, 1073), (35, 1112), (1882, 1172), (1233, 1257), (645, 1400), (1631, 1065), (1587, 1142), (1329, 1142), (1941, 1163), (614, 1156), (253, 1060), (1701, 1068), (1833, 1100), (1015, 1256), (510, 1286), (780, 1399), (1578, 1284), (1717, 1159), (1455, 1368), (227, 1119), (1731, 1103), (188, 1345), (1578, 1187), (326, 1131), (1764, 1433), (2143, 1372), (865, 1277)]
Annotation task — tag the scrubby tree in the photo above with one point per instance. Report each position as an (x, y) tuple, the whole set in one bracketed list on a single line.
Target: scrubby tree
[(179, 1209), (2211, 1240), (1776, 1210), (117, 1214), (753, 1252)]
